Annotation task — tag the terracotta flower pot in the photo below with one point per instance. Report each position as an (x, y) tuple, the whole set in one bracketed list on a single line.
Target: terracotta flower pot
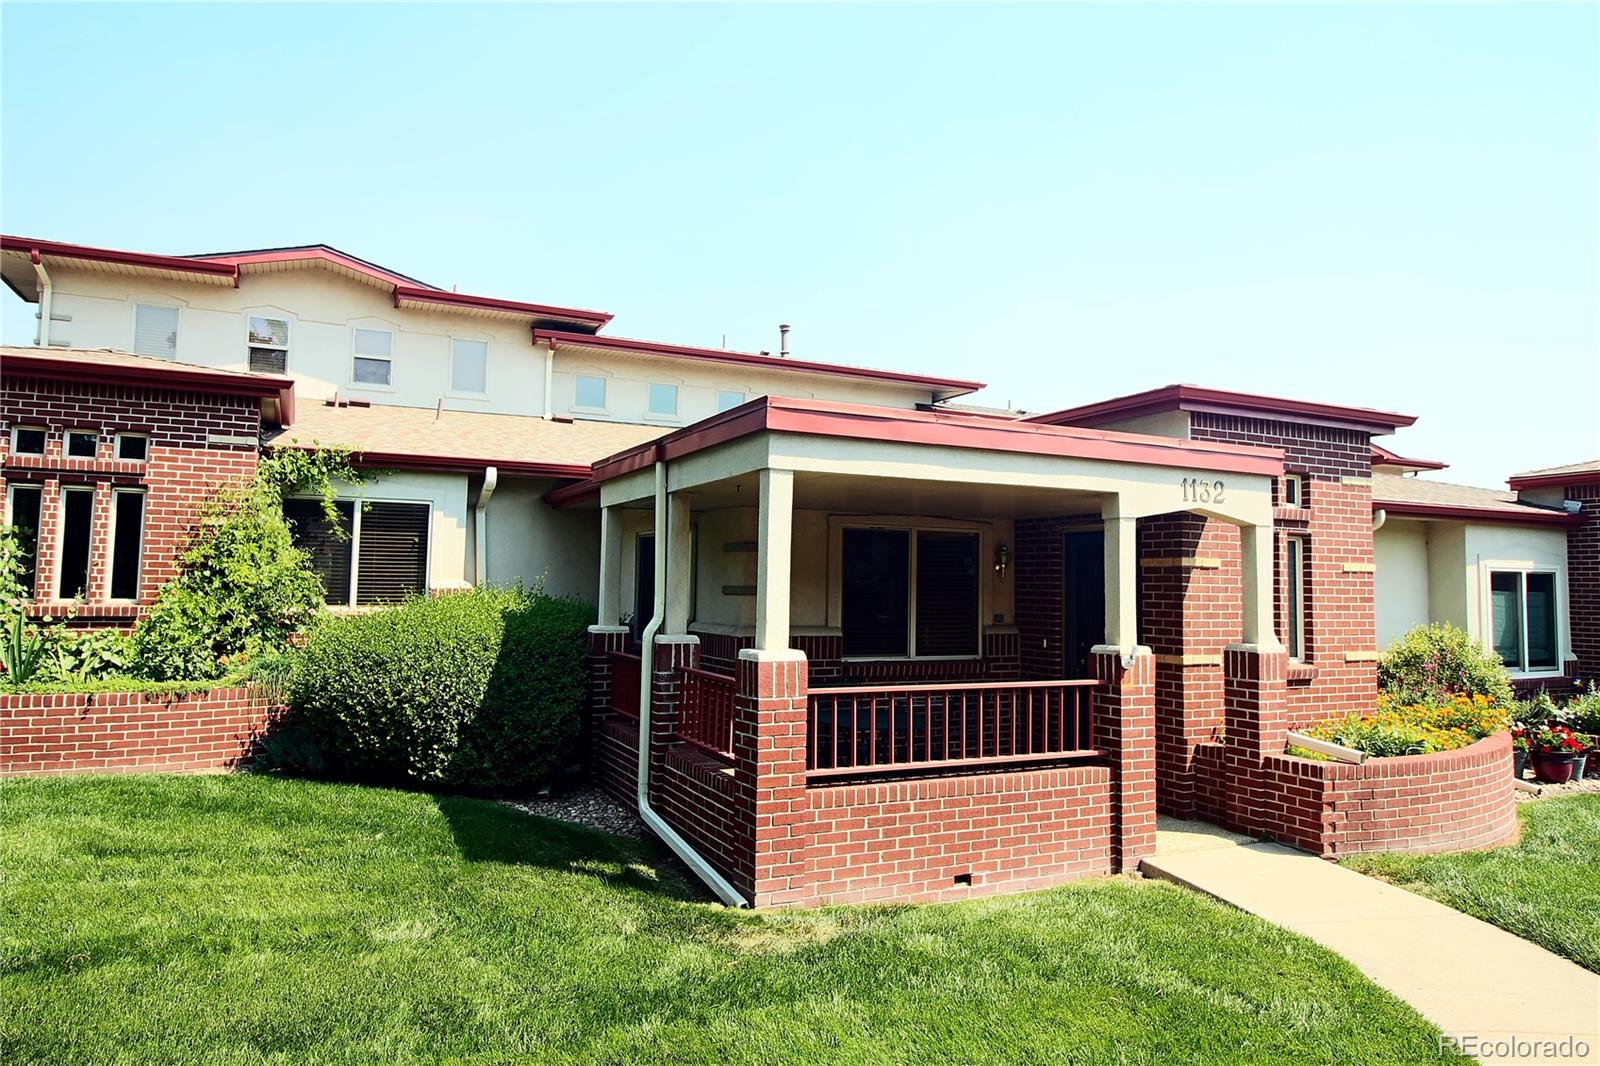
[(1554, 767)]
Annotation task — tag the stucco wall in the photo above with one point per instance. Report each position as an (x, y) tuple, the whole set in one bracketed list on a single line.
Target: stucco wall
[(1502, 547), (1401, 589), (531, 542)]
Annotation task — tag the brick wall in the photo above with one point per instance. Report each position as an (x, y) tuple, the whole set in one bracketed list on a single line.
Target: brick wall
[(68, 733), (1446, 801), (1583, 580), (185, 463)]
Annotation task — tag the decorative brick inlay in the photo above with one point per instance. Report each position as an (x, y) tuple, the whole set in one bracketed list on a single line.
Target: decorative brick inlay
[(71, 733)]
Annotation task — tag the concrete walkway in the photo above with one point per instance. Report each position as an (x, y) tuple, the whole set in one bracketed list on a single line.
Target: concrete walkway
[(1464, 975)]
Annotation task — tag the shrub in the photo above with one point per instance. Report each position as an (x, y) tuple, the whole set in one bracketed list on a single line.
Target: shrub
[(480, 690), (1432, 663)]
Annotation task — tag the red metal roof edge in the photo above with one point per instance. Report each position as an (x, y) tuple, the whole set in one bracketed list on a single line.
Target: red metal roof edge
[(785, 415), (50, 366), (1383, 456), (954, 386), (112, 255), (1538, 481), (1528, 516), (1198, 398), (461, 299), (576, 493), (314, 252), (446, 463)]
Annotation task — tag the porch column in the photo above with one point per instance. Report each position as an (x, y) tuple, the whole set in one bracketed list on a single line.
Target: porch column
[(1256, 706), (1255, 544), (610, 566), (1122, 576), (772, 821), (679, 575), (774, 535), (1125, 730)]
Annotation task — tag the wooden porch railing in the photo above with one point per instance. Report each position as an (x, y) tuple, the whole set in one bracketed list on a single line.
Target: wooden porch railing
[(858, 730), (705, 709), (624, 683)]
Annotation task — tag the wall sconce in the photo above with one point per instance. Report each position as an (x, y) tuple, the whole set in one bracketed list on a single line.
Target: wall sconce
[(1002, 559)]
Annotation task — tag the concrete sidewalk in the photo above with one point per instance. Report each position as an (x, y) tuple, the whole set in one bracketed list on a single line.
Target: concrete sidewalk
[(1464, 975)]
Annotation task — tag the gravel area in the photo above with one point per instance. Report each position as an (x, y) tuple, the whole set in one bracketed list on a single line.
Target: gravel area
[(591, 807), (1571, 788)]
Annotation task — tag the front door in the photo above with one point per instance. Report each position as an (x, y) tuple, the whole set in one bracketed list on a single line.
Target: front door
[(1083, 599)]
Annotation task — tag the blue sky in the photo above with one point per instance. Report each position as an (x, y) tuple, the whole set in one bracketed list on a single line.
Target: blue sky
[(1385, 205)]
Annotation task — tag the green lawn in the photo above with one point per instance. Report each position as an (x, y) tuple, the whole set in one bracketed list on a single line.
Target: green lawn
[(250, 919), (1545, 888)]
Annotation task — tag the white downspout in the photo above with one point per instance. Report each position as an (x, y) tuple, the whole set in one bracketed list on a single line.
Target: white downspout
[(693, 859), (480, 526), (1379, 517), (549, 377), (41, 337)]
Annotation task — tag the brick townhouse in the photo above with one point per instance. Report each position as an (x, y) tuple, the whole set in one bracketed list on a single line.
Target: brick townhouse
[(856, 640)]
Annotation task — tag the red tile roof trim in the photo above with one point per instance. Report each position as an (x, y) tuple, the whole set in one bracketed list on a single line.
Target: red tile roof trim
[(1551, 481), (1382, 456), (821, 418), (451, 463), (176, 263), (227, 382), (1528, 516), (1219, 401)]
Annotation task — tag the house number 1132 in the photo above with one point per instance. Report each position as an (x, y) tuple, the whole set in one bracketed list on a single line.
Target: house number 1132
[(1199, 490)]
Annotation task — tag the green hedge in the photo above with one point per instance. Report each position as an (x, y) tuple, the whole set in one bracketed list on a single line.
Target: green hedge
[(480, 690)]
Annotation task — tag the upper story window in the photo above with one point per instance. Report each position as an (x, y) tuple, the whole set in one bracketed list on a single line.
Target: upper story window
[(27, 440), (269, 344), (1294, 489), (133, 446), (155, 330), (727, 399), (589, 392), (663, 400), (1522, 605), (82, 443), (374, 358), (469, 366)]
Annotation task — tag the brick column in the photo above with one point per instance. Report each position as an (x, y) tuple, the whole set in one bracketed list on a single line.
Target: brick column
[(603, 640), (1124, 728), (1257, 707), (99, 581), (46, 558), (672, 653), (769, 748)]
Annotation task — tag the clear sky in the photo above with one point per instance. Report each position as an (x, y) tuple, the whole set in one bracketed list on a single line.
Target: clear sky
[(1377, 204)]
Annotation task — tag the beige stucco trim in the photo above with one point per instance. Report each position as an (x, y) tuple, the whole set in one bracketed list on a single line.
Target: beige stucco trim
[(1356, 481), (1183, 562), (1362, 656), (1189, 660), (1360, 568)]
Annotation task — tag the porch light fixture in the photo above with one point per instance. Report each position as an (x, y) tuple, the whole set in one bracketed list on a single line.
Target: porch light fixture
[(1002, 559)]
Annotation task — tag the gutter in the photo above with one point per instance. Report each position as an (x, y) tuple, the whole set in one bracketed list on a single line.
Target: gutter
[(480, 526), (41, 336), (658, 825)]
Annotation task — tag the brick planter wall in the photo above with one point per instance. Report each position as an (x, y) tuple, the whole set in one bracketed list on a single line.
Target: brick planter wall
[(69, 733), (1446, 801)]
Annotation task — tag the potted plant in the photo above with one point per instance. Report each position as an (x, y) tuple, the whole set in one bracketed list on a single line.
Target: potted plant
[(1519, 750), (1556, 754), (1585, 719)]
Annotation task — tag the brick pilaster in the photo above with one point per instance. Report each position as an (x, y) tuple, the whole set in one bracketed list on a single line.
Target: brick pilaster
[(603, 640), (769, 747), (671, 654), (1124, 728), (1257, 708)]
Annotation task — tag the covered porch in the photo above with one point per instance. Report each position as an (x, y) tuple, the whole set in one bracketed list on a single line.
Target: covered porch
[(894, 654)]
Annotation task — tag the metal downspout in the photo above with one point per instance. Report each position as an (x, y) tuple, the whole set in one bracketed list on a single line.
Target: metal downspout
[(41, 337), (480, 526), (693, 859)]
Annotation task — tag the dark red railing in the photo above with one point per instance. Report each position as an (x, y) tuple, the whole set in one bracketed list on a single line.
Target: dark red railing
[(625, 683), (856, 730), (705, 709)]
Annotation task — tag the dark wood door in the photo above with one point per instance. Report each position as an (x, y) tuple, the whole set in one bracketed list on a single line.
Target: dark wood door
[(1083, 599)]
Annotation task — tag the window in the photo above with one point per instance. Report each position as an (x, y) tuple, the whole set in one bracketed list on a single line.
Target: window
[(1293, 490), (910, 593), (382, 557), (23, 513), (82, 443), (469, 367), (727, 399), (589, 392), (133, 446), (155, 330), (374, 362), (1294, 594), (663, 400), (127, 542), (1523, 623), (77, 519), (269, 344), (27, 440)]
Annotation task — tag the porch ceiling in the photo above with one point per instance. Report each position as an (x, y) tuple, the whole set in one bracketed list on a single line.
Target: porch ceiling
[(853, 494)]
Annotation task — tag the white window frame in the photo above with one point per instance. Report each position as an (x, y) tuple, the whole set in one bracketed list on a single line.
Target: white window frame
[(837, 524), (1299, 483), (117, 446), (10, 519), (1558, 590), (18, 429), (61, 543), (744, 397), (653, 415), (286, 348), (605, 392), (467, 394), (177, 330), (66, 443), (111, 548), (370, 386), (1294, 596)]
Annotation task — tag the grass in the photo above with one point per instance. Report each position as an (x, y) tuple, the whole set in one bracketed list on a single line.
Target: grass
[(244, 919), (1545, 888)]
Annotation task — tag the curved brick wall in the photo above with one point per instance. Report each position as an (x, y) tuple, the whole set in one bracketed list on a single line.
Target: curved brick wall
[(83, 732), (1446, 801)]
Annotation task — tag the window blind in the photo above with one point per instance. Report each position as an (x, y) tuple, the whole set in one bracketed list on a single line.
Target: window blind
[(947, 593), (469, 366), (330, 553), (155, 330), (875, 591), (392, 561)]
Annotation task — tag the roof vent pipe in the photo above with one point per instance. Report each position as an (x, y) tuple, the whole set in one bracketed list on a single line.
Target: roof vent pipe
[(783, 340)]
